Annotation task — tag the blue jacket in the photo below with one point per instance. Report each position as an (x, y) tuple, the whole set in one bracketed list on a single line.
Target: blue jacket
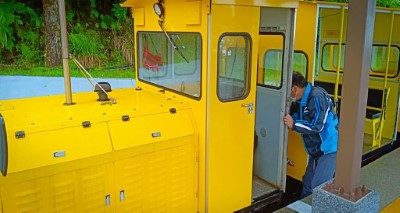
[(316, 120)]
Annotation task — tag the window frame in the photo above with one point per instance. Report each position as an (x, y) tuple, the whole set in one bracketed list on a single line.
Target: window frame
[(371, 71), (249, 43)]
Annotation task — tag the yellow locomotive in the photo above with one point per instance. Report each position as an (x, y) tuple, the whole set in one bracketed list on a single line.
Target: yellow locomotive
[(182, 140), (212, 75)]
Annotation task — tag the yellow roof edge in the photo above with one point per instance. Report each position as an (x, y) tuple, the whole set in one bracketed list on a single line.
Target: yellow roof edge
[(265, 3), (344, 4)]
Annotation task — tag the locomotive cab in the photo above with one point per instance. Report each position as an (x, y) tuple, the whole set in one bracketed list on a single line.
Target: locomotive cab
[(231, 61)]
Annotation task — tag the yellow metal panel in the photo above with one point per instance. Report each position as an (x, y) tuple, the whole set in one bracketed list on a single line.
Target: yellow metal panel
[(158, 181), (231, 128), (264, 3), (96, 183), (28, 196), (64, 184), (53, 147), (149, 129), (65, 192), (139, 15), (192, 10), (77, 191), (297, 156), (306, 27)]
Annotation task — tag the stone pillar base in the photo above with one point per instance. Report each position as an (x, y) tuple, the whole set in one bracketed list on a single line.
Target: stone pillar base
[(324, 201)]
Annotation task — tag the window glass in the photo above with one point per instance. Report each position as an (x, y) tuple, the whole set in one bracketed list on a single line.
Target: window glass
[(177, 69), (330, 57), (300, 63), (273, 62), (378, 60), (379, 57), (189, 46), (270, 63), (233, 67), (273, 66)]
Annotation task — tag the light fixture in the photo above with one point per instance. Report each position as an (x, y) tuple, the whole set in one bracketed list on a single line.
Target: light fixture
[(158, 9)]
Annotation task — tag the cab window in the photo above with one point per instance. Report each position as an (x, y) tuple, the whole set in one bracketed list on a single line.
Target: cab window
[(176, 69)]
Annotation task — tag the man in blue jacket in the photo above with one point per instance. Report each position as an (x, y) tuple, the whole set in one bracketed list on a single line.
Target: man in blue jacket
[(313, 116)]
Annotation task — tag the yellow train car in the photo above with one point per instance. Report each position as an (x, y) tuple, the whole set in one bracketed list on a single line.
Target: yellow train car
[(211, 77), (321, 35)]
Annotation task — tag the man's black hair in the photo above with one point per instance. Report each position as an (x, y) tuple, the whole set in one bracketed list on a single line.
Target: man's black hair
[(298, 80)]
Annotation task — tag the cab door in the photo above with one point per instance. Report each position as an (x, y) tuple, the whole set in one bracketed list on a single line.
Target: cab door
[(230, 109), (273, 85)]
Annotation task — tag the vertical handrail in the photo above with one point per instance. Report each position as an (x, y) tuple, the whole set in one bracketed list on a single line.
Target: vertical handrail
[(385, 90), (335, 98), (389, 45)]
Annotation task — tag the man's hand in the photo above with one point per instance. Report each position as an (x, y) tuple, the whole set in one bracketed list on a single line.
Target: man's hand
[(288, 121)]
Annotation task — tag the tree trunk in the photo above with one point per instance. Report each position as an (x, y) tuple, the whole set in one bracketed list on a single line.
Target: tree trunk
[(52, 33)]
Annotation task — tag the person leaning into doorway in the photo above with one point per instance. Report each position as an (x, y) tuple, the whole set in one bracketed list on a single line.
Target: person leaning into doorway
[(312, 115)]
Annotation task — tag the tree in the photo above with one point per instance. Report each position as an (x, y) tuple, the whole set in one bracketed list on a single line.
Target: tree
[(52, 33)]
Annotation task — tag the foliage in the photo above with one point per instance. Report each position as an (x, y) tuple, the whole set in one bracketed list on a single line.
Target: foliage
[(379, 3), (388, 3), (94, 41), (85, 42), (100, 33), (20, 29)]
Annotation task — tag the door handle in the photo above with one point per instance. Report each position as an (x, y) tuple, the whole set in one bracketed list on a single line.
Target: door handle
[(249, 107)]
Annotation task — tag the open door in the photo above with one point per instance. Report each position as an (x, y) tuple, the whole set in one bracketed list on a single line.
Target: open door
[(230, 110), (273, 83)]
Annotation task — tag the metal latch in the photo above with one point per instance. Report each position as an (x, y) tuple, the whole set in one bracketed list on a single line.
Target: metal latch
[(125, 118), (19, 134), (86, 124), (59, 154), (156, 134)]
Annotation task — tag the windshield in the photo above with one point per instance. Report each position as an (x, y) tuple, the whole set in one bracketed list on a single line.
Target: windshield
[(159, 63)]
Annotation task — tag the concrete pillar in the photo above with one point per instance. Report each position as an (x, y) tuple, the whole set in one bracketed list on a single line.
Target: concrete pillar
[(346, 194)]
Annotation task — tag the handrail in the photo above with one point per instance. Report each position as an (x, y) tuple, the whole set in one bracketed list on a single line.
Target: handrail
[(386, 90), (335, 98), (388, 52), (91, 80)]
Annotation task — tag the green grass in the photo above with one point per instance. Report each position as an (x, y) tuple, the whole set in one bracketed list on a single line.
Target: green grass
[(118, 72)]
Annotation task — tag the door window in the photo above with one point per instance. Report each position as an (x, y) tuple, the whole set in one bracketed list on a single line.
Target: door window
[(233, 66)]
